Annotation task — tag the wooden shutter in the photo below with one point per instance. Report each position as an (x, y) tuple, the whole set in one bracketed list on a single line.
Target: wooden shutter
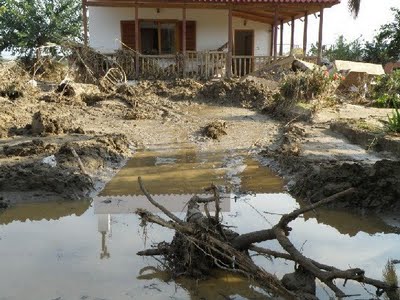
[(190, 35), (128, 34)]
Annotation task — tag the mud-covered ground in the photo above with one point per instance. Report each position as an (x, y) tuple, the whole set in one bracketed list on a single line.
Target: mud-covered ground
[(67, 140)]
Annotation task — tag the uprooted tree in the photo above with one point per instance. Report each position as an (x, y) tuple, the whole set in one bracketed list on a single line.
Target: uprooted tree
[(201, 244)]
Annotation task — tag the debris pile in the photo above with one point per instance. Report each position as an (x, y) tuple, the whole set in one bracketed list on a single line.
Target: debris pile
[(202, 243), (215, 130)]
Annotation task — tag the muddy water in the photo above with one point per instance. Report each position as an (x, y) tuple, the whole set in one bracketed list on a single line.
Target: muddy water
[(86, 250)]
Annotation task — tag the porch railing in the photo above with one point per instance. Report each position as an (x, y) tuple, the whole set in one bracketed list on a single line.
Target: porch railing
[(196, 64)]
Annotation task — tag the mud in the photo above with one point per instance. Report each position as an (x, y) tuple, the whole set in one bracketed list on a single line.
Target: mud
[(51, 171), (367, 136), (215, 130), (377, 186)]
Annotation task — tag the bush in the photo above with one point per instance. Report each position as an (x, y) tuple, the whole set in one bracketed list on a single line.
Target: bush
[(304, 86), (387, 90), (394, 121)]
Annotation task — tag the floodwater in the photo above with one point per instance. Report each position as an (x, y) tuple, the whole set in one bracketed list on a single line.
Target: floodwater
[(87, 249)]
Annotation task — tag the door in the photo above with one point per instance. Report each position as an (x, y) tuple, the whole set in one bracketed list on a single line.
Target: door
[(244, 46)]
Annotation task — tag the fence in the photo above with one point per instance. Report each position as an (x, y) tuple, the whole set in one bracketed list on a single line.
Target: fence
[(195, 64)]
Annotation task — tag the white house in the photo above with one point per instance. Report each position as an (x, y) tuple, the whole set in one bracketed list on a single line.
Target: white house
[(246, 31)]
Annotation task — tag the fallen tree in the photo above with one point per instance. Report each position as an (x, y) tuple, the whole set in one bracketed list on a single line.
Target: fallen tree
[(201, 244)]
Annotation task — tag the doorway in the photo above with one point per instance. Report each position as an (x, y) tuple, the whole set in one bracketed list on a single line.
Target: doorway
[(244, 46)]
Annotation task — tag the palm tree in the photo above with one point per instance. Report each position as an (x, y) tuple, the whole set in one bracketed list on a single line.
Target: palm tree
[(354, 6)]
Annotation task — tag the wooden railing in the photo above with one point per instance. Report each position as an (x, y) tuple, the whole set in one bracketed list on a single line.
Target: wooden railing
[(198, 65)]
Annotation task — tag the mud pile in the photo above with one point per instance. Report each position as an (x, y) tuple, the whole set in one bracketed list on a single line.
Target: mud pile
[(55, 171), (377, 186), (248, 93), (215, 130)]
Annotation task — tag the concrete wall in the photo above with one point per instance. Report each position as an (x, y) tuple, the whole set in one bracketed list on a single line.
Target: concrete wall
[(212, 27)]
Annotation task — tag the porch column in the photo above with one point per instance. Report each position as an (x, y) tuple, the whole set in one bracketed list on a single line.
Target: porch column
[(85, 23), (321, 24), (281, 45), (137, 49), (230, 44), (305, 33), (272, 40), (276, 34), (292, 36), (184, 39)]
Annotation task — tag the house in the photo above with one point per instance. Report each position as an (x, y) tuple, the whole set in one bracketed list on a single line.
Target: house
[(233, 36)]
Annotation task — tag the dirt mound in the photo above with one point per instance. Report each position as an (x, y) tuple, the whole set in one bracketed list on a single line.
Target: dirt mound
[(95, 153), (377, 186), (248, 93), (64, 176), (215, 130), (14, 81), (38, 177), (44, 123), (33, 147)]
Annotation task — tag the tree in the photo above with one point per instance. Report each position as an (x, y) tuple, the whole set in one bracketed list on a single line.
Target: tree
[(354, 6), (386, 44), (342, 49), (28, 24)]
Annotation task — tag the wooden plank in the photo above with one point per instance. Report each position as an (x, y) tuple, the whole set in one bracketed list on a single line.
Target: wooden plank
[(137, 40), (230, 44), (272, 41), (321, 25), (184, 40), (292, 35), (85, 23), (276, 34), (281, 45), (305, 33)]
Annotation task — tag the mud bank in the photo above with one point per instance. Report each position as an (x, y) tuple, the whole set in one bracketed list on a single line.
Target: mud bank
[(65, 168), (371, 138), (317, 162)]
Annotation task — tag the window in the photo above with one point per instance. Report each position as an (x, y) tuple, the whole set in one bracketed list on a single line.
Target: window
[(158, 37)]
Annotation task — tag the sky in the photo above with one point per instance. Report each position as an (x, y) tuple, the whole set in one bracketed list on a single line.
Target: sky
[(339, 21)]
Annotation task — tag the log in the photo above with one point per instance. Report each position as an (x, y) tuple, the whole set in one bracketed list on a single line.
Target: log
[(204, 235)]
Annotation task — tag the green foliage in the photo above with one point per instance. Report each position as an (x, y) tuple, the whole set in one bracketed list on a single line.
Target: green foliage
[(383, 48), (28, 24), (394, 121), (387, 90), (342, 50), (302, 86)]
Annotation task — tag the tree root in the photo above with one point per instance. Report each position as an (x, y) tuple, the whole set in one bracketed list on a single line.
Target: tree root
[(201, 243)]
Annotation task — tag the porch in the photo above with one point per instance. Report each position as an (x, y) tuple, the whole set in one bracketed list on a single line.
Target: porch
[(197, 38)]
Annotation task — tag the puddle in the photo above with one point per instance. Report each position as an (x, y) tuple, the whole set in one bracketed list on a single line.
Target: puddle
[(73, 250)]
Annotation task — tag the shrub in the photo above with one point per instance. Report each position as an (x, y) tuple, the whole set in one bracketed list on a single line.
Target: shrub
[(304, 86), (394, 121), (387, 90)]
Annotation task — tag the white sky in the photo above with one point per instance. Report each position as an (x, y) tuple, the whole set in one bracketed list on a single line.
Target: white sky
[(339, 21)]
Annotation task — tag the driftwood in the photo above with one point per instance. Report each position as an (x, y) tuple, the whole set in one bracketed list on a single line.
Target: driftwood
[(201, 243)]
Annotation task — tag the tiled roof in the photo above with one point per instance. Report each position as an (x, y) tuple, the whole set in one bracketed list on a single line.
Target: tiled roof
[(271, 1)]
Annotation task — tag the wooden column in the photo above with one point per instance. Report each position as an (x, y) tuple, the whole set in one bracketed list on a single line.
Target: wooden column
[(292, 36), (281, 45), (184, 40), (137, 49), (85, 23), (272, 40), (305, 33), (321, 25), (276, 34), (230, 45)]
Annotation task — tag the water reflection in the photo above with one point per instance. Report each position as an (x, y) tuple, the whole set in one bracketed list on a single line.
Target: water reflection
[(43, 211), (80, 251)]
